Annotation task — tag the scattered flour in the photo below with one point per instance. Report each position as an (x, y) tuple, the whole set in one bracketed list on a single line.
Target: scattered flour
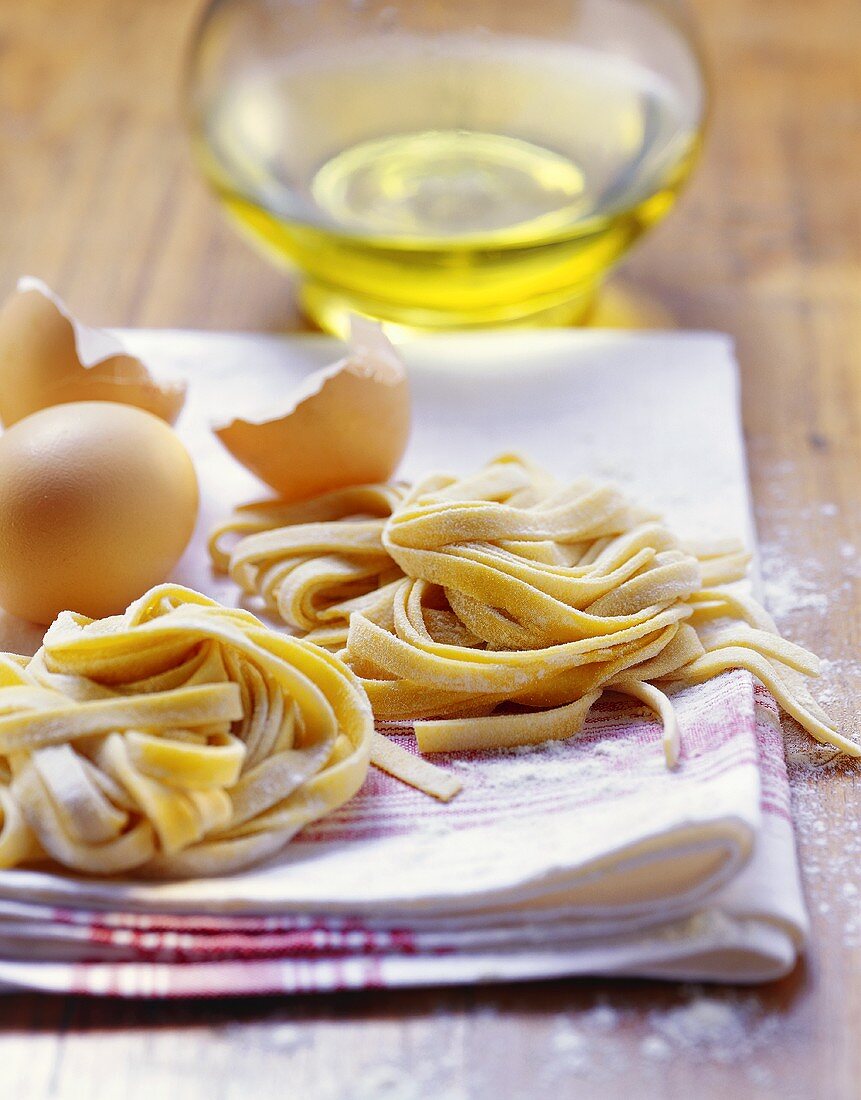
[(287, 1037), (587, 1049), (656, 1048), (385, 1082), (567, 1039), (828, 831), (793, 586), (789, 589), (572, 1051), (722, 1030), (603, 1017), (800, 589), (714, 1029)]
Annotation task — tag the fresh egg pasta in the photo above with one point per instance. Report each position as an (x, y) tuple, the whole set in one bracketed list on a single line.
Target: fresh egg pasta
[(179, 739), (494, 610)]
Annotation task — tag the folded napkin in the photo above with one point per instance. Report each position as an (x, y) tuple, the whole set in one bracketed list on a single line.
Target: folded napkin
[(585, 856)]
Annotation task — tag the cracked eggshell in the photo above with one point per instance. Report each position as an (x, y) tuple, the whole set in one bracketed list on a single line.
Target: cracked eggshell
[(347, 424), (47, 357)]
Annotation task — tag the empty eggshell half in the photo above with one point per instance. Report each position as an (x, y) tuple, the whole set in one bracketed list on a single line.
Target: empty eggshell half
[(47, 357), (347, 424)]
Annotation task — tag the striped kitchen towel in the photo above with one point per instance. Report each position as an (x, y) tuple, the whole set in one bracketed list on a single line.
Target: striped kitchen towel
[(584, 856)]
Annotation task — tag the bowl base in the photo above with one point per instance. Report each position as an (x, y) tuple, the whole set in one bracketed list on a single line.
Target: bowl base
[(330, 308)]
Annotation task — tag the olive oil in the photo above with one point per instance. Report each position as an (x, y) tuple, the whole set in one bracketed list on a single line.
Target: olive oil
[(456, 186)]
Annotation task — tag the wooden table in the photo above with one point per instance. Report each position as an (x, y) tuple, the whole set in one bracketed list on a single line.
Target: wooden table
[(99, 198)]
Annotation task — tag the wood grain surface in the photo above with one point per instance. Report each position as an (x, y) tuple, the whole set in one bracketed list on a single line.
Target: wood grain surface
[(99, 198)]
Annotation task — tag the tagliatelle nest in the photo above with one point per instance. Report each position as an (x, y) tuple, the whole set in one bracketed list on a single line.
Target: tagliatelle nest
[(494, 610), (181, 738)]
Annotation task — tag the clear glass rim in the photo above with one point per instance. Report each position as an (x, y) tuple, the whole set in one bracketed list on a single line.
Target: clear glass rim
[(678, 18)]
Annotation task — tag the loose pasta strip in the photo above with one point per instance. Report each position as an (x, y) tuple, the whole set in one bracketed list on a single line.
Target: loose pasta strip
[(660, 704), (514, 601), (182, 738), (504, 730), (390, 757)]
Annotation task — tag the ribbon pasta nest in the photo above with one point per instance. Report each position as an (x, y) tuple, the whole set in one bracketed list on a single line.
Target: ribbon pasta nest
[(493, 610), (178, 739)]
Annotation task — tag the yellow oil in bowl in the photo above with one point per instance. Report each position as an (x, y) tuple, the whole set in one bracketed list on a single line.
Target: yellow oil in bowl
[(474, 183)]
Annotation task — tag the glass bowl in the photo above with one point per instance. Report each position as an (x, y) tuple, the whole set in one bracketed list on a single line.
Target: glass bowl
[(445, 164)]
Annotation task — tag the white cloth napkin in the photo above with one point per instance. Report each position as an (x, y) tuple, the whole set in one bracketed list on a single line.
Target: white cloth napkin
[(585, 856)]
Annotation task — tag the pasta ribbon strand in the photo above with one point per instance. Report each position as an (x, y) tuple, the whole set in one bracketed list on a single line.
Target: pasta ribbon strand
[(493, 609), (182, 738)]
